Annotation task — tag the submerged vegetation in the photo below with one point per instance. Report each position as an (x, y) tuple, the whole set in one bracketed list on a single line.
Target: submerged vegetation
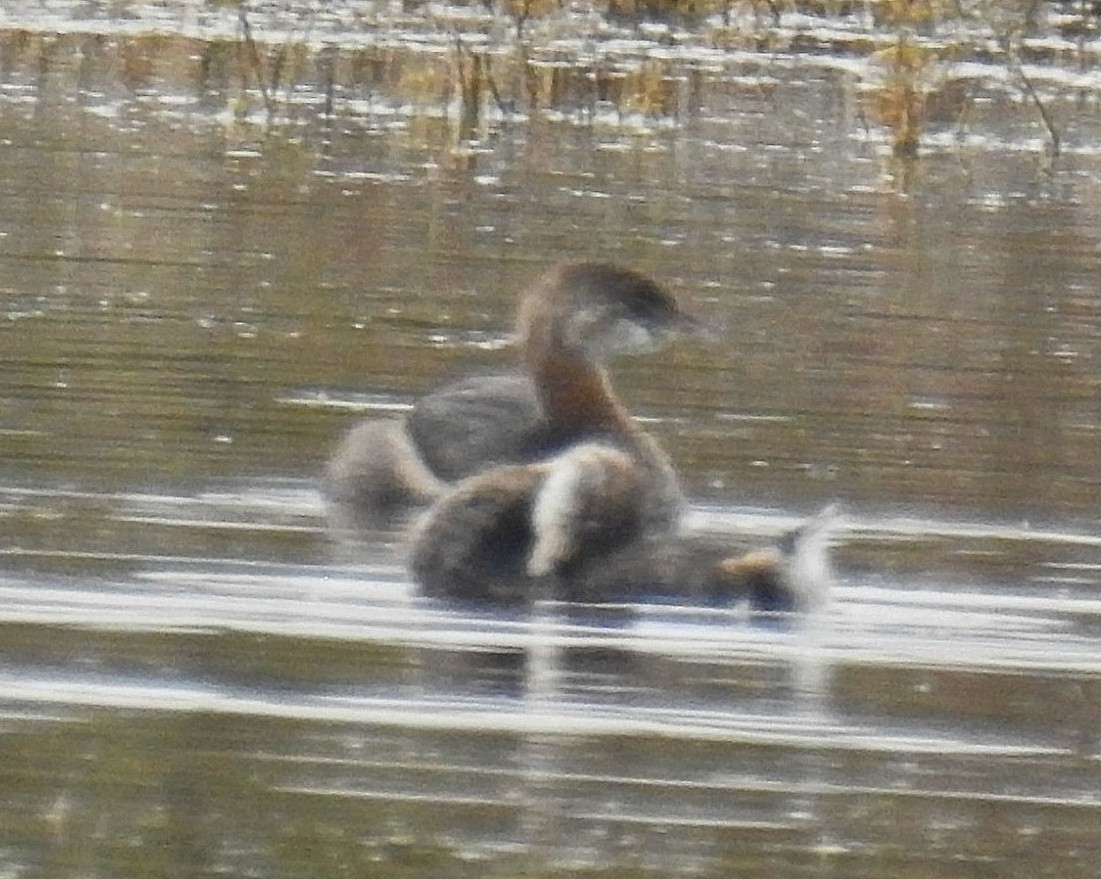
[(914, 66)]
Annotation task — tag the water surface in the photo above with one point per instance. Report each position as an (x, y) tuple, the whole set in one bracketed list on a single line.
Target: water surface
[(206, 280)]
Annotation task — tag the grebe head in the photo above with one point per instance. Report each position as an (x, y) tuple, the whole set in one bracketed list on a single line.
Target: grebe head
[(795, 575), (593, 309), (805, 552)]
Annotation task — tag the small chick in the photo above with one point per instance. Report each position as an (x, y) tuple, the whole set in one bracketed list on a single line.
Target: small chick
[(793, 575), (574, 528)]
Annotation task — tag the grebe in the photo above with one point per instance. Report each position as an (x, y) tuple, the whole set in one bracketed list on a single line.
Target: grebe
[(574, 528), (567, 326)]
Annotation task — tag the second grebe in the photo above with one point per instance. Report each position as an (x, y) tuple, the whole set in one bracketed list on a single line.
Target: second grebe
[(568, 324), (573, 528)]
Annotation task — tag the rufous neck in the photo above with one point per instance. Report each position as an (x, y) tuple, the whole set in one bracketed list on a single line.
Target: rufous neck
[(576, 394)]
